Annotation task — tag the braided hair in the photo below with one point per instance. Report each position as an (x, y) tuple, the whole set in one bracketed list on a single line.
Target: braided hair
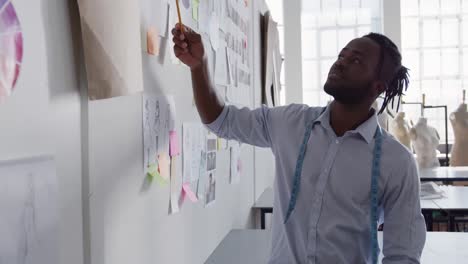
[(390, 70)]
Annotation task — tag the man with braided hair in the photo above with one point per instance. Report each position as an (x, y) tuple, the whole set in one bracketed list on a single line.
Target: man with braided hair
[(337, 172)]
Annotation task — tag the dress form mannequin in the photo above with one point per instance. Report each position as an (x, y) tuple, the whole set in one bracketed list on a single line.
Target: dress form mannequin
[(425, 142), (459, 120), (383, 117), (400, 129)]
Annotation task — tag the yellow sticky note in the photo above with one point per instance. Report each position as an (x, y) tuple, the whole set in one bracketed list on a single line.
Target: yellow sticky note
[(164, 166)]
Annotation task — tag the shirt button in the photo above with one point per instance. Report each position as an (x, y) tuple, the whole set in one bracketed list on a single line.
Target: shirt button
[(337, 141)]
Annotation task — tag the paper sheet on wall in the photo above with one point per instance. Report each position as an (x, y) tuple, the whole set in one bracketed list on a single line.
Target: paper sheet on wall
[(204, 17), (202, 177), (29, 211), (176, 186), (158, 118), (112, 57), (164, 19), (194, 138), (214, 31), (237, 32), (235, 164), (221, 71), (210, 181), (220, 9)]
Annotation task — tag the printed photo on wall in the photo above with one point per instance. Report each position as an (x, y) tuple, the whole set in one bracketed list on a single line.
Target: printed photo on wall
[(210, 196), (211, 161), (210, 182)]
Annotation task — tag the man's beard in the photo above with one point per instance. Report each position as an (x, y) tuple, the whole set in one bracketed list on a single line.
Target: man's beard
[(348, 94)]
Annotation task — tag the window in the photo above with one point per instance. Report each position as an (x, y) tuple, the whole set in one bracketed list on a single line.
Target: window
[(435, 49), (276, 9), (327, 26)]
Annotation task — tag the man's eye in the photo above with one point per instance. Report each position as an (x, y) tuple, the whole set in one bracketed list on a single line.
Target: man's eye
[(340, 57), (357, 61)]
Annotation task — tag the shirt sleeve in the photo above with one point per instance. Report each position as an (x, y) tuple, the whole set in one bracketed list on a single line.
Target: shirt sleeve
[(404, 225), (244, 125)]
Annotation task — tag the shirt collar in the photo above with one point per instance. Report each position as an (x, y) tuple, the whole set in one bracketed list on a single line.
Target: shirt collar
[(366, 130)]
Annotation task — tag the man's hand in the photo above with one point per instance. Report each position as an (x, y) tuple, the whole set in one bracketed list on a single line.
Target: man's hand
[(188, 46)]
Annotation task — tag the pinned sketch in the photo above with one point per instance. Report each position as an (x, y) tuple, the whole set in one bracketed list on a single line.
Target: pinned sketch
[(112, 57), (210, 183), (194, 147), (158, 118), (194, 138), (11, 48), (29, 206)]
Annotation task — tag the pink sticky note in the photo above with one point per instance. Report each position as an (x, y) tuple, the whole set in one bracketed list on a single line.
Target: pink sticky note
[(174, 149), (189, 193)]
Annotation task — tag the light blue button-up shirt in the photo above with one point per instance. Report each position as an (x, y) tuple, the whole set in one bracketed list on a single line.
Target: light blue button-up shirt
[(330, 223)]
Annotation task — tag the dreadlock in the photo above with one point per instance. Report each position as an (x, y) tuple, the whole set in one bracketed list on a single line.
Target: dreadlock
[(390, 70)]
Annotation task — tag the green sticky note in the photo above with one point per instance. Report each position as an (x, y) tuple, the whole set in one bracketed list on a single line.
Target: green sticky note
[(153, 174), (160, 180)]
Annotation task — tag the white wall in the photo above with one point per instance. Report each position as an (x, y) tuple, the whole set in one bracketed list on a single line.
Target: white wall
[(122, 223), (130, 225), (43, 116)]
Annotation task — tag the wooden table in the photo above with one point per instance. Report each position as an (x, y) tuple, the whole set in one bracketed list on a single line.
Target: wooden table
[(253, 247), (444, 174)]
